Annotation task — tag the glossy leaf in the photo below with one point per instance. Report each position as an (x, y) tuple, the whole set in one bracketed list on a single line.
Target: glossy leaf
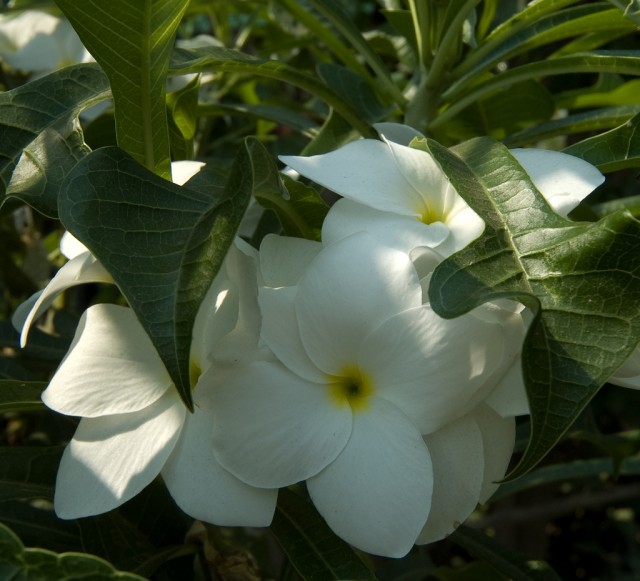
[(580, 279), (19, 563), (162, 244), (614, 150), (132, 41), (37, 123), (312, 548)]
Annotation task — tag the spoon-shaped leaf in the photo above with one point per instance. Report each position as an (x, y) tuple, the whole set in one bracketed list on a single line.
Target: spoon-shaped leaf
[(581, 279)]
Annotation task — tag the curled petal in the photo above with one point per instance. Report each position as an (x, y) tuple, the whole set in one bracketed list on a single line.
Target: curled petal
[(111, 459), (204, 489), (458, 468), (509, 397), (376, 494), (271, 428), (82, 269), (628, 374), (111, 367)]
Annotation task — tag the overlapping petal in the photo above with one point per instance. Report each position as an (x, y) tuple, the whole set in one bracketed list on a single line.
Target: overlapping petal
[(283, 260), (112, 458), (458, 468), (111, 367), (350, 288), (272, 429), (376, 494), (204, 489), (429, 367)]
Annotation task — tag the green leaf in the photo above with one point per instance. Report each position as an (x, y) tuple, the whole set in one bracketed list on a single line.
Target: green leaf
[(354, 90), (313, 549), (132, 41), (182, 106), (39, 119), (525, 104), (28, 472), (580, 280), (614, 150), (602, 94), (507, 561), (461, 96), (579, 123), (299, 208), (226, 60), (21, 395), (550, 28), (162, 244), (22, 564)]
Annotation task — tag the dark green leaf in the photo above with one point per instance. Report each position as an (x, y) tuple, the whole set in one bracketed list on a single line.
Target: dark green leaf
[(226, 60), (581, 280), (39, 118), (513, 565), (20, 395), (133, 42), (312, 548), (21, 564), (162, 244), (28, 472), (613, 150)]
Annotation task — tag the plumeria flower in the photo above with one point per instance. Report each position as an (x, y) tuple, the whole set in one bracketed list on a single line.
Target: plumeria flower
[(401, 195), (39, 42), (372, 398), (134, 425), (82, 268)]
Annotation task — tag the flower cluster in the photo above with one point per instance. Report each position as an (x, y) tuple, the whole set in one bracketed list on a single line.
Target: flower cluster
[(316, 362)]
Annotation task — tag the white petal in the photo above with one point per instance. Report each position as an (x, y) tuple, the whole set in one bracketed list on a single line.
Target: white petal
[(82, 269), (204, 489), (564, 180), (628, 374), (464, 227), (509, 397), (281, 334), (366, 171), (111, 459), (70, 246), (397, 132), (283, 259), (376, 494), (498, 440), (458, 469), (183, 171), (111, 367), (272, 428), (431, 368), (349, 289), (403, 233)]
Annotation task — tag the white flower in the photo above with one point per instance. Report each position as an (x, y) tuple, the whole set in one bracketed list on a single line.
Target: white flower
[(374, 400), (82, 268), (628, 374), (134, 425), (401, 195), (39, 42)]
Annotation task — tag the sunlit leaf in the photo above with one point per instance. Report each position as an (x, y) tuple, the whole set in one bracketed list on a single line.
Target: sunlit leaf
[(132, 41)]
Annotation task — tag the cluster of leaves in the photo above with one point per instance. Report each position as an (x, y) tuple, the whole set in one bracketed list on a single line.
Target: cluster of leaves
[(307, 77)]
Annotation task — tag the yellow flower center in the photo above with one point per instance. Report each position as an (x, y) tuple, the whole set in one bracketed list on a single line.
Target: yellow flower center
[(429, 215), (350, 387), (194, 373)]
